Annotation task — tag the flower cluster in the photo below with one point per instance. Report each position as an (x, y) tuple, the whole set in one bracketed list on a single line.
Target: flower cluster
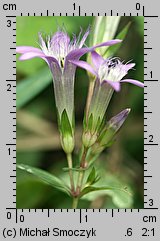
[(62, 54), (59, 51)]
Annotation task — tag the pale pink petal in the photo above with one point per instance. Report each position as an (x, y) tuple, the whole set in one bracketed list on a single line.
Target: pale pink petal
[(77, 53), (97, 59), (127, 67), (108, 43), (31, 55), (83, 65), (134, 82), (115, 85), (26, 49)]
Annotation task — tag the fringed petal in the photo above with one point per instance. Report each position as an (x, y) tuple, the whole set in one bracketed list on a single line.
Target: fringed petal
[(84, 38)]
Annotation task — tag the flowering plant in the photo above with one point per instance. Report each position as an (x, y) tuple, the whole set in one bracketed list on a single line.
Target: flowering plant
[(62, 55)]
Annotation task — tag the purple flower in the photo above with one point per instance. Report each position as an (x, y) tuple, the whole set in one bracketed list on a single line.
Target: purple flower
[(58, 51), (108, 71)]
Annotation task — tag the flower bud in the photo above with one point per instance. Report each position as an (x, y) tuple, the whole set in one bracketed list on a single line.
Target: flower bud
[(106, 136), (89, 139), (117, 121), (67, 143), (67, 133), (97, 148)]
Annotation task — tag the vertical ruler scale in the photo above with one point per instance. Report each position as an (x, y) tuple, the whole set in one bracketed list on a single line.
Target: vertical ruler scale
[(8, 39), (150, 113), (11, 83), (97, 224)]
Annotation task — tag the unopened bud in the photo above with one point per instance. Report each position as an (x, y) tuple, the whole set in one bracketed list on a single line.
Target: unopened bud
[(67, 143), (117, 121), (89, 139), (97, 148), (106, 136)]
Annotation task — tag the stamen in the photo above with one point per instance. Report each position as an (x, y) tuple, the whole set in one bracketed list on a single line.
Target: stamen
[(62, 62), (113, 63)]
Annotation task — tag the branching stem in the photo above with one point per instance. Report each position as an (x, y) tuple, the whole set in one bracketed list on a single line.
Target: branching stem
[(82, 171)]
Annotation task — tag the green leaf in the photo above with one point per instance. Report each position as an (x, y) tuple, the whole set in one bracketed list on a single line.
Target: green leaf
[(84, 121), (46, 177), (114, 48), (92, 177), (98, 31), (33, 195), (139, 24), (99, 124), (91, 189), (28, 88), (112, 23), (104, 29), (120, 196), (65, 126), (90, 122)]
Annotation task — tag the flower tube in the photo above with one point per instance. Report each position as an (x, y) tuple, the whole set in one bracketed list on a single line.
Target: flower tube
[(58, 51), (109, 73)]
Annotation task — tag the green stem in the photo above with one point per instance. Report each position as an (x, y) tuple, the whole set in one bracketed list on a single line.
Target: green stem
[(82, 172), (89, 97), (83, 158), (85, 150), (75, 202), (69, 159), (80, 181)]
